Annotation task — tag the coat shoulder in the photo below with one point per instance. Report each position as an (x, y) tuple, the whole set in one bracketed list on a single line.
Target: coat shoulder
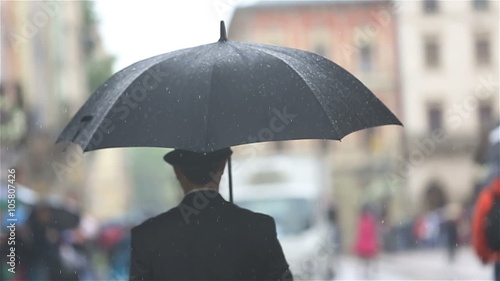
[(262, 219), (150, 224)]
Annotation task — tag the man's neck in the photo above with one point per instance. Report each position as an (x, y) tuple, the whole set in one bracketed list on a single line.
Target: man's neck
[(186, 192)]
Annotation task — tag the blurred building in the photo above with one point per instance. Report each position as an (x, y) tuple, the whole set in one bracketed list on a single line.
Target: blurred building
[(43, 50), (449, 64), (52, 58), (361, 37)]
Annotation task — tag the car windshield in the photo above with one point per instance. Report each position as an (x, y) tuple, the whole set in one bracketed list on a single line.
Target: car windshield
[(292, 215)]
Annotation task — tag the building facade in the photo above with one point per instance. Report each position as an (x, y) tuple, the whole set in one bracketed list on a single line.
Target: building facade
[(361, 37), (50, 49), (43, 50), (450, 81)]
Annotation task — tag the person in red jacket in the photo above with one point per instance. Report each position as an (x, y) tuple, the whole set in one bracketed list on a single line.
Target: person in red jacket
[(366, 244), (483, 205)]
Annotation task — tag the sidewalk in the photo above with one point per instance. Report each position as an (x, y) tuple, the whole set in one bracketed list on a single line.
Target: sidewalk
[(350, 268), (433, 264)]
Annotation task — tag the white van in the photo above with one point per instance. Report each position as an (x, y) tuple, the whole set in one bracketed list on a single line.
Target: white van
[(295, 192)]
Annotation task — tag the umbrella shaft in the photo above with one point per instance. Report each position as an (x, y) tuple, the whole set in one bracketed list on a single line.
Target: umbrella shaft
[(230, 179)]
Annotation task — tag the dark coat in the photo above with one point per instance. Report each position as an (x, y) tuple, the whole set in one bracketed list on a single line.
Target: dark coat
[(207, 238)]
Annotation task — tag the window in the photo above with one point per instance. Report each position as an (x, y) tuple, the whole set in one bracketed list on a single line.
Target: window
[(430, 6), (320, 49), (435, 196), (366, 58), (485, 117), (324, 145), (480, 5), (482, 49), (368, 136), (275, 35), (279, 145), (432, 52), (371, 139), (435, 117)]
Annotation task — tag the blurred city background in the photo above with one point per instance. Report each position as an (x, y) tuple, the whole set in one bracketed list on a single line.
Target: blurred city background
[(435, 64)]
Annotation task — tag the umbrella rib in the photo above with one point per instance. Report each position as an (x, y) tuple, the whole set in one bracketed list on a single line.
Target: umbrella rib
[(195, 57), (112, 103), (132, 79), (212, 66), (357, 115), (258, 48)]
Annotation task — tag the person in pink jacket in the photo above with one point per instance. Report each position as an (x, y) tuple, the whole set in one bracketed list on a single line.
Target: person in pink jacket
[(366, 246)]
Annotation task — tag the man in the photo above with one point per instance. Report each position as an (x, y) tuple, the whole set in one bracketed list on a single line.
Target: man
[(484, 203), (205, 237)]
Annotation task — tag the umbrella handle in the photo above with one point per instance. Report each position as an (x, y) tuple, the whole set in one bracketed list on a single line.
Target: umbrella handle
[(230, 179)]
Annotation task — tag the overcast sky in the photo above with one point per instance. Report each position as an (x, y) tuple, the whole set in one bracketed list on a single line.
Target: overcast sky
[(133, 30)]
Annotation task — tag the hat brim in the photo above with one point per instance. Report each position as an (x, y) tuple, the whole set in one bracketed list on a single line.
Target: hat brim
[(189, 159)]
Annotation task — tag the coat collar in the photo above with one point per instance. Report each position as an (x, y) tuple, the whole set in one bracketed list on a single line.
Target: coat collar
[(200, 198)]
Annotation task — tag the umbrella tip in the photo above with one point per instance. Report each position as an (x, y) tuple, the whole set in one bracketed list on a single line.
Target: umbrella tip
[(223, 37)]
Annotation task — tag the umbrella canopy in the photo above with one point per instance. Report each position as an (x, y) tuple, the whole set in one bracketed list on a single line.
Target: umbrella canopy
[(54, 215), (224, 94)]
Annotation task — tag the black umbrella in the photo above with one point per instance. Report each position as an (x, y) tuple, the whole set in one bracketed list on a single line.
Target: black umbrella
[(55, 216), (224, 94)]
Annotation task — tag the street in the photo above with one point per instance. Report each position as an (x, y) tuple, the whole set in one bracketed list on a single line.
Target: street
[(428, 264)]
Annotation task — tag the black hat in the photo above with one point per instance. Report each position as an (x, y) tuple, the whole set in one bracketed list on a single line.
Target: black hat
[(189, 159)]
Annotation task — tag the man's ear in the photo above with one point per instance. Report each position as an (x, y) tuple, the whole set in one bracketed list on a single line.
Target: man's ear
[(178, 173), (221, 166)]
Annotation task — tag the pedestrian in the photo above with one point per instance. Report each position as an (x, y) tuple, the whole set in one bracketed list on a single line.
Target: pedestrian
[(41, 250), (205, 237), (419, 231), (366, 245), (450, 227), (489, 196)]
